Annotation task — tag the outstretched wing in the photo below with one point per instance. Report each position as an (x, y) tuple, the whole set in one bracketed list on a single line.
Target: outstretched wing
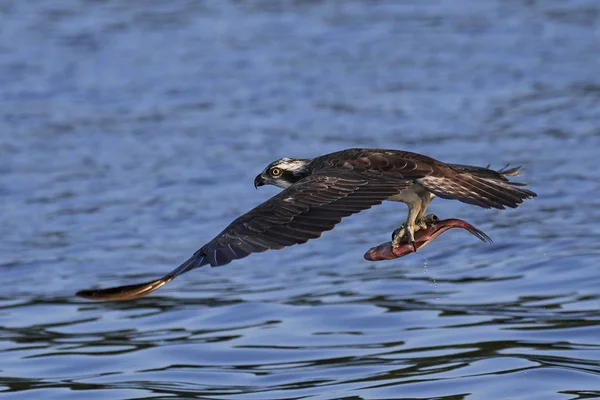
[(478, 186), (300, 213)]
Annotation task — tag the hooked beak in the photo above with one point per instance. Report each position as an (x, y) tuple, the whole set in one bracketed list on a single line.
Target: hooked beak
[(259, 181)]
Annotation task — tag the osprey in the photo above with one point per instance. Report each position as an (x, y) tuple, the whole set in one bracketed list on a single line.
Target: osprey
[(319, 192)]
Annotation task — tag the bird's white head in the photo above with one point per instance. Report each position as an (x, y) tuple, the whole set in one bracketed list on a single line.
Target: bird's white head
[(283, 172)]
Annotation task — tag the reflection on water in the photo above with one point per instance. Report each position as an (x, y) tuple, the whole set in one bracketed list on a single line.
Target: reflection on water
[(131, 135)]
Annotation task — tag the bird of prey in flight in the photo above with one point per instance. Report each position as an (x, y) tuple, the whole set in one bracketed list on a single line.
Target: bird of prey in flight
[(319, 192)]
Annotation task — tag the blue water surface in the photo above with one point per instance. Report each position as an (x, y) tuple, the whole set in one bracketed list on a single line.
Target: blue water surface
[(131, 132)]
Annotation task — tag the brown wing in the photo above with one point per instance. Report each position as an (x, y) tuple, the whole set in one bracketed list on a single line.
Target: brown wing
[(300, 213), (391, 164), (472, 185)]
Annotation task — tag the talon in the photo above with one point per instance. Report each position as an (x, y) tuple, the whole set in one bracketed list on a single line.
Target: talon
[(396, 241), (410, 236), (423, 223), (405, 235)]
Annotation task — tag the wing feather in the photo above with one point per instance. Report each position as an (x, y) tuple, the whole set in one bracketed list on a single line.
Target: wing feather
[(471, 189), (300, 213), (303, 212)]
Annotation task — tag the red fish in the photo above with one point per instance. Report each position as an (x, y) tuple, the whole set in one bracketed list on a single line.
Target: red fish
[(435, 227)]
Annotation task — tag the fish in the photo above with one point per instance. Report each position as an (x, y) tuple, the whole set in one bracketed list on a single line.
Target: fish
[(435, 227)]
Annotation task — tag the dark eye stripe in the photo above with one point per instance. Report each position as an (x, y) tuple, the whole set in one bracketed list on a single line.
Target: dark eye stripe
[(288, 176)]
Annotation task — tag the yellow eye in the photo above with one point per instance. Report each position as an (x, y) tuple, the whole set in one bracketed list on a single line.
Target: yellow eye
[(275, 172)]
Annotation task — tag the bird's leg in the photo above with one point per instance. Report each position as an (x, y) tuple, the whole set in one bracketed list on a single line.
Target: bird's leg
[(407, 231), (417, 205), (422, 222)]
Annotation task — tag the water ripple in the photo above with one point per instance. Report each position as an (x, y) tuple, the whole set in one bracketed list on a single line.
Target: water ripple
[(131, 135)]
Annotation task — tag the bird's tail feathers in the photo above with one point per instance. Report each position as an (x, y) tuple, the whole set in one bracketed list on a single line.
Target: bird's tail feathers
[(510, 171), (487, 172)]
